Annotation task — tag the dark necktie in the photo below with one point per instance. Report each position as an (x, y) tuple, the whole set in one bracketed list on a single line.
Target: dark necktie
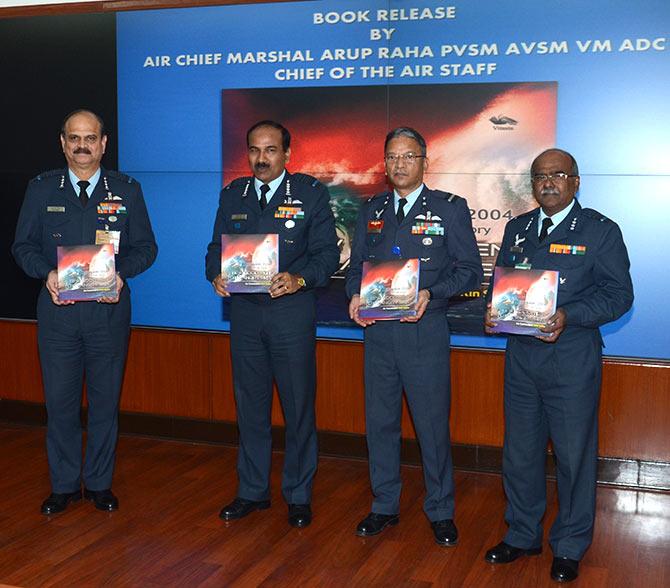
[(264, 196), (83, 195), (546, 223), (401, 209)]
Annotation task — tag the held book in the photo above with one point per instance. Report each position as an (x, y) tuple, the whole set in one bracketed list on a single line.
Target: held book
[(248, 262), (389, 289), (523, 299), (86, 272)]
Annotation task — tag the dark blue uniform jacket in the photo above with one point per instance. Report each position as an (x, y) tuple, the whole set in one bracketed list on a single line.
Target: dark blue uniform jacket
[(450, 262)]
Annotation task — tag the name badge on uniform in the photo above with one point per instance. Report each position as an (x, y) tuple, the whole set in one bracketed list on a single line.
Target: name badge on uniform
[(105, 237), (238, 216), (55, 209), (524, 265), (375, 226), (564, 249)]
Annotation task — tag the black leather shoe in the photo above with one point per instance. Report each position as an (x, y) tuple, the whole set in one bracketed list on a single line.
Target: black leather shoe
[(299, 515), (102, 499), (445, 532), (56, 503), (375, 523), (564, 569), (241, 507), (504, 553)]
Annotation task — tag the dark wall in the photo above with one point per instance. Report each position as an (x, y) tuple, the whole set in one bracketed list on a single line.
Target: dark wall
[(49, 66)]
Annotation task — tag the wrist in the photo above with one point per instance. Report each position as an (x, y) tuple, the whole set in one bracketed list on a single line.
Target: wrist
[(301, 281)]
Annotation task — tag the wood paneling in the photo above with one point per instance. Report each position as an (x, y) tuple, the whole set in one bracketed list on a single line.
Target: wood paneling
[(223, 400), (187, 374), (340, 402), (168, 373), (476, 397), (635, 411), (20, 373)]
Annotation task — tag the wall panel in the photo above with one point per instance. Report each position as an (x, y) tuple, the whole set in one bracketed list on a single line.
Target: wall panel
[(187, 374), (168, 373), (635, 411), (20, 372)]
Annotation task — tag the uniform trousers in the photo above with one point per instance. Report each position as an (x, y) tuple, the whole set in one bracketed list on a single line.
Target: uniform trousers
[(275, 339), (91, 339), (552, 391), (413, 357)]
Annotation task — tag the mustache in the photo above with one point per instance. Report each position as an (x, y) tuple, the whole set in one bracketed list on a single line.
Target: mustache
[(549, 192), (261, 166), (82, 150)]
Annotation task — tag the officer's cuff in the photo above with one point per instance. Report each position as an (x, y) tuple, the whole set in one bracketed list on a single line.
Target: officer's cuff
[(45, 271)]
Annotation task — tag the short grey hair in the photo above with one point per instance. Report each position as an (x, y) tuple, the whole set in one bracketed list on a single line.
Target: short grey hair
[(83, 111), (406, 132)]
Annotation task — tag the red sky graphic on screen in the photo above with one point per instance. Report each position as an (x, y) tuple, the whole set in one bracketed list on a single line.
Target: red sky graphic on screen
[(481, 138), (338, 132), (481, 141)]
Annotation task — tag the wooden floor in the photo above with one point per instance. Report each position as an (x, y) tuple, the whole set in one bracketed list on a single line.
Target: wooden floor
[(167, 532)]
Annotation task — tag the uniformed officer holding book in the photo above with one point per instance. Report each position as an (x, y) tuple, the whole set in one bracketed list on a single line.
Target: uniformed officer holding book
[(80, 205), (273, 335), (552, 382), (411, 221)]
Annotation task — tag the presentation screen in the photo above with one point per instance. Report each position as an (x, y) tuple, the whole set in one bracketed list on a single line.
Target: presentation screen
[(490, 84)]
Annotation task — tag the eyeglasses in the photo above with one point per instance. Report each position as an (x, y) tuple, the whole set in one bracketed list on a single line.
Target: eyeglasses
[(540, 178), (406, 157)]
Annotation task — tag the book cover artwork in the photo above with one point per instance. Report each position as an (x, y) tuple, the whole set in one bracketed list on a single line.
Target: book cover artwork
[(86, 272), (248, 262), (389, 289), (523, 300)]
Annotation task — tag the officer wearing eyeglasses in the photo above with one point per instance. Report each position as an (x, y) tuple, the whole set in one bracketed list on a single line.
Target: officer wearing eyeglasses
[(412, 221), (552, 383)]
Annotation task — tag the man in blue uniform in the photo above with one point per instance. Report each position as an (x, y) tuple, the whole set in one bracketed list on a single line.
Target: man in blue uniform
[(412, 221), (83, 204), (274, 334), (552, 383)]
